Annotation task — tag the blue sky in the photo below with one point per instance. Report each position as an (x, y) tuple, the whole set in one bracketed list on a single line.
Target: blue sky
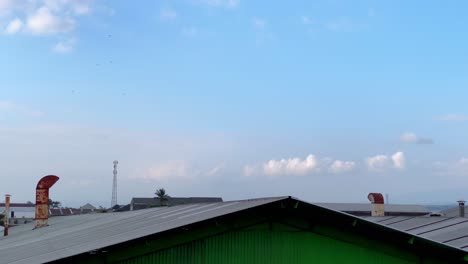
[(323, 100)]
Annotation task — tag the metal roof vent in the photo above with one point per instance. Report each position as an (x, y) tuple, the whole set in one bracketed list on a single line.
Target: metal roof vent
[(461, 207), (377, 202), (436, 214), (42, 199)]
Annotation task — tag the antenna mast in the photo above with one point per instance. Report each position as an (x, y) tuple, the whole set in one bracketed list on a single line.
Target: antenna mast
[(114, 185)]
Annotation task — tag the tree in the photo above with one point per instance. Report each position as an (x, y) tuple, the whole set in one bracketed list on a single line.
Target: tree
[(162, 196), (54, 204)]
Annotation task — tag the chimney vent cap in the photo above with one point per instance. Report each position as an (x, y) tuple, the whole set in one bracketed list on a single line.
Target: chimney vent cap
[(376, 198)]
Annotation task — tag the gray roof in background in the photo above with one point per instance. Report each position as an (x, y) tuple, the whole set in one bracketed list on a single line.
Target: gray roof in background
[(454, 211), (452, 231), (175, 200), (72, 235), (88, 206), (366, 207)]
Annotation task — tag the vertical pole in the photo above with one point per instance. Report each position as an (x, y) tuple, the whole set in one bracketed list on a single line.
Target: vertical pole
[(6, 219), (114, 185)]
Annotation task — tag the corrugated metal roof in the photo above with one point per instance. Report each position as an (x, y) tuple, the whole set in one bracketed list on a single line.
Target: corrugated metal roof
[(72, 235), (366, 207), (452, 231)]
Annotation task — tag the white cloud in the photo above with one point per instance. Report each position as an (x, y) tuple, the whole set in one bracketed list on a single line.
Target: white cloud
[(6, 106), (306, 20), (381, 163), (167, 14), (222, 3), (399, 160), (412, 138), (377, 163), (339, 166), (299, 167), (43, 21), (14, 26), (43, 17), (259, 23), (453, 118), (292, 166), (64, 46)]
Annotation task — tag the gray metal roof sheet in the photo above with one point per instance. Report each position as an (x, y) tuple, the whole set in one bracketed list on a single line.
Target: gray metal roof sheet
[(72, 235), (452, 231)]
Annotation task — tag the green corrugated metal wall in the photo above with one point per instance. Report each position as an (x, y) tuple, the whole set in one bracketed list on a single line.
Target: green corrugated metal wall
[(264, 246)]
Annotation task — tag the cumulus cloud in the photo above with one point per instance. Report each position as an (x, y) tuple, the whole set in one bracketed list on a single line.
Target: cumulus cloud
[(299, 167), (292, 166), (381, 163), (43, 17), (377, 163), (412, 138), (14, 26), (453, 118), (64, 46), (43, 21), (398, 160), (167, 14), (339, 166)]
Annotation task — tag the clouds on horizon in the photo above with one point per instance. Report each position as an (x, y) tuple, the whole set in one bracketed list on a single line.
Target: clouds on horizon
[(299, 167), (382, 163)]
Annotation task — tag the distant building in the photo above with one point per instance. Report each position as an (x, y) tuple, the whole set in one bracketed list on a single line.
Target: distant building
[(143, 203), (88, 208)]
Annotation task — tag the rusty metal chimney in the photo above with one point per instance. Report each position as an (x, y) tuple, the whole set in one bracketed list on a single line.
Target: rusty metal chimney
[(377, 203), (42, 199), (461, 207), (6, 219)]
